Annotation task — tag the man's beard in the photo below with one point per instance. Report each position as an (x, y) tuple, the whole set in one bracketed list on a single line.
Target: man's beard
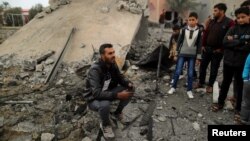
[(216, 17), (111, 61)]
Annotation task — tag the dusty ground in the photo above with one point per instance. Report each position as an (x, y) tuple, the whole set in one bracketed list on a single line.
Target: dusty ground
[(174, 118)]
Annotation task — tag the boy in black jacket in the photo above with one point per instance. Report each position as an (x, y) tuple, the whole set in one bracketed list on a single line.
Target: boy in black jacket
[(237, 48)]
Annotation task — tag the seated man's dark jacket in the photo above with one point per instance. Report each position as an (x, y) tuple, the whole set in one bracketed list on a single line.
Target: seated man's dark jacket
[(97, 75)]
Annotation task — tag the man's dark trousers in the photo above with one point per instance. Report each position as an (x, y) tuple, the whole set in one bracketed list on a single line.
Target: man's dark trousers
[(103, 106), (215, 59)]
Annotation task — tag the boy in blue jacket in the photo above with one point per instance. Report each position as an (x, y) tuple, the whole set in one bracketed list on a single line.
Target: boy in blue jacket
[(245, 106)]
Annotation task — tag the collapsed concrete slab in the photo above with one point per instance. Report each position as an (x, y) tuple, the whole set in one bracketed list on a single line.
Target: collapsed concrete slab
[(93, 29)]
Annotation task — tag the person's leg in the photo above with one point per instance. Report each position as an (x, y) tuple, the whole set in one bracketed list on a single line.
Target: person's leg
[(123, 103), (195, 73), (245, 106), (191, 63), (103, 108), (215, 64), (239, 83), (228, 73), (178, 70), (206, 58)]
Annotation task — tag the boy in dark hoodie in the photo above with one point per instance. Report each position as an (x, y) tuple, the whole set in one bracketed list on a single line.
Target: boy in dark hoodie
[(236, 49)]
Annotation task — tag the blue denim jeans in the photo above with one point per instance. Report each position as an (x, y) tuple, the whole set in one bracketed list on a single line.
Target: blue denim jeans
[(178, 69)]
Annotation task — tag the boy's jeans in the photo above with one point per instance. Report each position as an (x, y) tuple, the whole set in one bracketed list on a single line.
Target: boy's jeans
[(179, 66)]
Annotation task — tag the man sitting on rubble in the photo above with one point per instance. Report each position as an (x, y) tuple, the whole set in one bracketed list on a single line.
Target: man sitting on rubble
[(102, 85)]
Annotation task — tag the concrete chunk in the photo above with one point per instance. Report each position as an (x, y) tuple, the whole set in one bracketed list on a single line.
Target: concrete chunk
[(47, 137)]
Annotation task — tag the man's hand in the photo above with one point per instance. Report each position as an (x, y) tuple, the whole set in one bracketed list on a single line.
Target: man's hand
[(124, 95), (131, 87), (218, 51), (203, 49), (230, 38), (175, 58), (197, 62)]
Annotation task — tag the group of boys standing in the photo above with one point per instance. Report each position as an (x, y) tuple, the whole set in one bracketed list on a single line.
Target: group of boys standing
[(222, 37)]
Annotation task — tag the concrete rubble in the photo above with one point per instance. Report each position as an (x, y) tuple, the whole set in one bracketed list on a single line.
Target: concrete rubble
[(130, 5)]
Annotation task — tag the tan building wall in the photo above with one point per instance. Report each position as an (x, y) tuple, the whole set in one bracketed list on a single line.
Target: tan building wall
[(156, 6)]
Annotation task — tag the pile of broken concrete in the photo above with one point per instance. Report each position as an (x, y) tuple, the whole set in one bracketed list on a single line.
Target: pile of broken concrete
[(33, 110), (54, 6), (130, 5)]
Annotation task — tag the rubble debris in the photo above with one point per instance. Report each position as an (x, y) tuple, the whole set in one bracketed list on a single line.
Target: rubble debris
[(83, 45), (63, 130), (196, 126), (105, 9), (59, 82), (12, 82), (53, 7), (133, 67), (64, 2), (1, 84), (86, 139), (23, 75), (49, 61), (18, 102), (24, 137), (162, 118), (131, 6), (151, 59), (39, 67), (200, 115), (135, 10), (29, 65), (47, 10), (44, 56), (40, 15), (47, 137), (1, 124)]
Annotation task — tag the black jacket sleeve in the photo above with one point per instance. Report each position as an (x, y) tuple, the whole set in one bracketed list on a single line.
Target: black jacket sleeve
[(96, 86), (243, 46), (121, 79), (199, 45), (180, 40), (230, 44), (235, 44)]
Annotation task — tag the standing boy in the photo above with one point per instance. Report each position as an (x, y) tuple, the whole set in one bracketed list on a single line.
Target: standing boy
[(188, 45)]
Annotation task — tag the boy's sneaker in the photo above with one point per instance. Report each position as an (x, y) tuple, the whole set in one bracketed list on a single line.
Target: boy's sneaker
[(172, 82), (181, 76), (190, 94), (171, 91), (107, 132)]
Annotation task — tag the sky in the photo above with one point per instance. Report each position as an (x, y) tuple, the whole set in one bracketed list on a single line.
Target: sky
[(25, 4)]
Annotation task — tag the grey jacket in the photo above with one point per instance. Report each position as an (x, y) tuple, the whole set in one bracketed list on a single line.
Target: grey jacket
[(189, 47)]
